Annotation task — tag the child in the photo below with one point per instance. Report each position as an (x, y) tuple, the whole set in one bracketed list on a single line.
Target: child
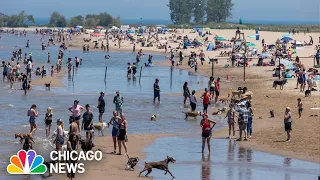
[(300, 104), (29, 86), (129, 70)]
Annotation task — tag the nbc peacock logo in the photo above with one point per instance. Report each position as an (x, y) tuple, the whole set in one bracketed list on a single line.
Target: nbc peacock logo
[(26, 163)]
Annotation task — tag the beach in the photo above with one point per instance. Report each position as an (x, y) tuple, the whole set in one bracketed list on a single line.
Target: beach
[(268, 133)]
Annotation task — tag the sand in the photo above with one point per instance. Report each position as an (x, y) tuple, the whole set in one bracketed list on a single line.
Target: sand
[(268, 133)]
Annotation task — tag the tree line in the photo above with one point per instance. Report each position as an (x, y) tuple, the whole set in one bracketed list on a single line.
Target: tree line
[(199, 11), (58, 20), (89, 20)]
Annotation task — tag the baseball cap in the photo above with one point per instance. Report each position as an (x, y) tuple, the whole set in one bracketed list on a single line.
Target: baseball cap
[(101, 92)]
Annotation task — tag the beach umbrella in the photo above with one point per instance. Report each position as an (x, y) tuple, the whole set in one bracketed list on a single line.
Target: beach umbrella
[(220, 39), (79, 27), (286, 35), (252, 36), (99, 27), (286, 39), (249, 44)]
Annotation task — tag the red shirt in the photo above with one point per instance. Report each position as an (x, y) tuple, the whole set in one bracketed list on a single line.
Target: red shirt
[(206, 99), (206, 127), (217, 85)]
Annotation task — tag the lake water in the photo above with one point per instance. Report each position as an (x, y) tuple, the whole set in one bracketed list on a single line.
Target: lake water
[(88, 81)]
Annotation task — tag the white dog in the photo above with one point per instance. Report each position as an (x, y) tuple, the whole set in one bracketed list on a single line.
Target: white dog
[(100, 127)]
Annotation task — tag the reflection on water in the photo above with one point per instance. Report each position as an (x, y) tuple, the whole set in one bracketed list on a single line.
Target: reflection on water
[(205, 167), (227, 161)]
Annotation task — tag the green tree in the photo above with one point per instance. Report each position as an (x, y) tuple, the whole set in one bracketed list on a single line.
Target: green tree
[(76, 21), (116, 22), (57, 20), (180, 11), (16, 20), (199, 10), (218, 10), (92, 20), (105, 19)]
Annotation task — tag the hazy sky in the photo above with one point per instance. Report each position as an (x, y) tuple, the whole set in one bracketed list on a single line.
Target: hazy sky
[(300, 10)]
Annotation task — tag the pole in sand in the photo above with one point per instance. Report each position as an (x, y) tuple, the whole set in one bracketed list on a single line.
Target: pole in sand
[(140, 74), (72, 73), (212, 66), (171, 70), (105, 74)]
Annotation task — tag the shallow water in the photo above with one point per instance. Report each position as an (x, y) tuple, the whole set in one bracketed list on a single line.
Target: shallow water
[(227, 162)]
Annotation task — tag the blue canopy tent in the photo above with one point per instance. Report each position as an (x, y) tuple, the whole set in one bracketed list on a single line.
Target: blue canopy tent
[(286, 39), (210, 47)]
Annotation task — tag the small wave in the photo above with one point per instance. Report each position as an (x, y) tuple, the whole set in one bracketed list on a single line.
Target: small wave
[(6, 105)]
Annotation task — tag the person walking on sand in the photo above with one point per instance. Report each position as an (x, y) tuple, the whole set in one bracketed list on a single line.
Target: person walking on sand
[(206, 130), (287, 123), (76, 110), (186, 92), (101, 106), (156, 91), (48, 121), (243, 122), (206, 100), (115, 122), (211, 86), (250, 114), (217, 89), (202, 56), (300, 107), (193, 101), (118, 101), (122, 135), (33, 114), (231, 114)]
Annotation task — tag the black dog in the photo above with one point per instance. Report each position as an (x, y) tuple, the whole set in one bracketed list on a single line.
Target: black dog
[(47, 85), (307, 93), (86, 145), (27, 144), (132, 162), (280, 82)]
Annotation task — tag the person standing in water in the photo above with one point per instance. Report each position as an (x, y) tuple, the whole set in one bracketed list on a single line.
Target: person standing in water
[(193, 101), (49, 57), (118, 101), (101, 106), (27, 46), (76, 110), (33, 114), (211, 86), (156, 91), (206, 100), (48, 121), (186, 92), (206, 131), (217, 89)]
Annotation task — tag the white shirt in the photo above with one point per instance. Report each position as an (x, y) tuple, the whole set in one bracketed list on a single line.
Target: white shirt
[(30, 65), (192, 99)]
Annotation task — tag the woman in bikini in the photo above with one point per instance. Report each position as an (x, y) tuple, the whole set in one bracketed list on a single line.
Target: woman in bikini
[(206, 130), (186, 92), (231, 116), (48, 121), (122, 135)]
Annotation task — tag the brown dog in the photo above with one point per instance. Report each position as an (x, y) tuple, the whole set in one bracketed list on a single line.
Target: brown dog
[(162, 165), (225, 99), (23, 136)]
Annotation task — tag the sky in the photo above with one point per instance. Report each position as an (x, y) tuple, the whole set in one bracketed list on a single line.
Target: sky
[(248, 10)]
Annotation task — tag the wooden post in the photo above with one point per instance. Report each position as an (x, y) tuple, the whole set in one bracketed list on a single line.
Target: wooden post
[(140, 74), (279, 69), (244, 68), (72, 73), (171, 69), (105, 74), (212, 66)]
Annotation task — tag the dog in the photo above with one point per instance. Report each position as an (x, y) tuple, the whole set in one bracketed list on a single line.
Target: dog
[(23, 136), (192, 114), (280, 82), (219, 111), (248, 95), (47, 85), (27, 144), (162, 165), (224, 99), (100, 127), (239, 91), (132, 162), (307, 93), (153, 117), (86, 145)]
